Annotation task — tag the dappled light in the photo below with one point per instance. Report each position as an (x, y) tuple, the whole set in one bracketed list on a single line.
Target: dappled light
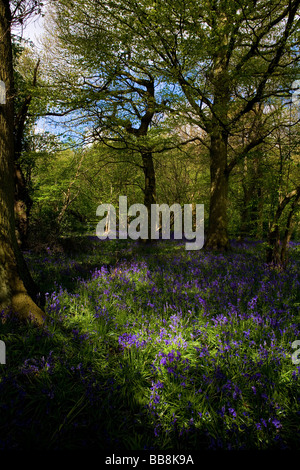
[(149, 227), (162, 350)]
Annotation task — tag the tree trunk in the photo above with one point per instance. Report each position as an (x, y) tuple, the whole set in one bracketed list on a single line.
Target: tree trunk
[(14, 275), (23, 204), (260, 215), (245, 212), (285, 243), (150, 188), (217, 236), (147, 159), (273, 249), (276, 254), (23, 201), (288, 232)]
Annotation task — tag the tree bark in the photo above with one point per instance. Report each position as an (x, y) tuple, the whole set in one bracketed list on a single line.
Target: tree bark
[(276, 254), (260, 215), (147, 158), (217, 236), (23, 201), (287, 235), (150, 187), (23, 204), (247, 188), (14, 275)]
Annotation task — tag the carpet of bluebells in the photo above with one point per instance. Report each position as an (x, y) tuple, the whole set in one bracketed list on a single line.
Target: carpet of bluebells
[(155, 348)]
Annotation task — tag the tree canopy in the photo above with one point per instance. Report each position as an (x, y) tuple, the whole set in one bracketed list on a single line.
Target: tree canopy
[(218, 65)]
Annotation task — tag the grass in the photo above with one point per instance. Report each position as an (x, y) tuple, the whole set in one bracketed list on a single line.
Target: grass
[(155, 348)]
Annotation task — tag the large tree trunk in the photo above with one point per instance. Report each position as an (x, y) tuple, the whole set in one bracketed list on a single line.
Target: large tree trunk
[(13, 272), (217, 236)]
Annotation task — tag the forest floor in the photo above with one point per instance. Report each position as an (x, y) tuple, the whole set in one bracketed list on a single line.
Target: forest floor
[(155, 348)]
